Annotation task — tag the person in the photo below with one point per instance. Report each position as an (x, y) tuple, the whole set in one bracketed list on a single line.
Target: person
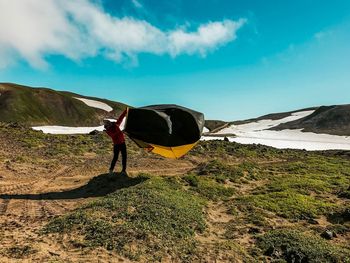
[(113, 130)]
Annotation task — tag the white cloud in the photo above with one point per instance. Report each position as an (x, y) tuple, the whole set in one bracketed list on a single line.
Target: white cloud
[(320, 35), (207, 37), (324, 35), (34, 29), (136, 3)]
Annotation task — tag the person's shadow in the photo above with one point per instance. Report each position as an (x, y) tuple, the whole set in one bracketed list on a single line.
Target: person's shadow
[(98, 186)]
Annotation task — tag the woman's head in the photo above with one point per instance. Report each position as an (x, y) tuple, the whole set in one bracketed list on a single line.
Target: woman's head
[(107, 124)]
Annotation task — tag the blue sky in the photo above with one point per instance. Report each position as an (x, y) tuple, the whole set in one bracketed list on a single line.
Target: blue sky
[(229, 59)]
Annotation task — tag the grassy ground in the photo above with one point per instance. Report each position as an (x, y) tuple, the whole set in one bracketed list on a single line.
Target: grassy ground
[(147, 221), (280, 201), (239, 203)]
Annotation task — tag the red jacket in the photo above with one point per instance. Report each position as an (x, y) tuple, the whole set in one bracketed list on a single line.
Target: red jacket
[(115, 133)]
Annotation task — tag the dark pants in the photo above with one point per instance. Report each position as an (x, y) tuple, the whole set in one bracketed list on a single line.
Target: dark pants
[(116, 149)]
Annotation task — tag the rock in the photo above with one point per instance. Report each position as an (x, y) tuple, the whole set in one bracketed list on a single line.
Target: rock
[(274, 252), (312, 221), (94, 132), (254, 230), (277, 253), (53, 253), (269, 252), (328, 235)]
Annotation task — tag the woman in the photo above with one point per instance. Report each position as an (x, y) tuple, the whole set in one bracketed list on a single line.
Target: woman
[(113, 130)]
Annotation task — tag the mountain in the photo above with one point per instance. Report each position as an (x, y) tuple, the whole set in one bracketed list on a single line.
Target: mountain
[(217, 125), (43, 106), (309, 129), (326, 119), (272, 116), (334, 120)]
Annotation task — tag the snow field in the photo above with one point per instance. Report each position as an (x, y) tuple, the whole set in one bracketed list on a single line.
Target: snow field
[(96, 104), (258, 133)]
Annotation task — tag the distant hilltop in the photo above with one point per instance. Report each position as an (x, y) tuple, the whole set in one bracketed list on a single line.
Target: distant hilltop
[(43, 106), (326, 119), (334, 120)]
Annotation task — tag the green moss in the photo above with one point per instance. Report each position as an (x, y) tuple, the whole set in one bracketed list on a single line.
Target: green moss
[(218, 170), (341, 215), (300, 184), (289, 204), (221, 148), (295, 246), (229, 251), (209, 188), (345, 194), (192, 180), (322, 175), (339, 229), (37, 144), (221, 171)]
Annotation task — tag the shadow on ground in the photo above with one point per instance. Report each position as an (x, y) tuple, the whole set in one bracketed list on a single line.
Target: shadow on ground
[(98, 186)]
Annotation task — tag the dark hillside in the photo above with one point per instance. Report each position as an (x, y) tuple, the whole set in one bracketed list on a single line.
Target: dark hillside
[(42, 106), (326, 119), (212, 125)]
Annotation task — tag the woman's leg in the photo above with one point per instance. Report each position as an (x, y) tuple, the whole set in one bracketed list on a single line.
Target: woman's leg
[(124, 156), (115, 157)]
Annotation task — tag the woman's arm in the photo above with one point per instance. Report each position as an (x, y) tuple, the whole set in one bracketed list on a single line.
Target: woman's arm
[(121, 117)]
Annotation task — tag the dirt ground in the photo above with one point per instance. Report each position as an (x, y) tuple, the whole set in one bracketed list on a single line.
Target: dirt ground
[(42, 177)]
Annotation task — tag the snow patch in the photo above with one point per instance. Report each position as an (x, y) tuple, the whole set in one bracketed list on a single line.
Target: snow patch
[(96, 104), (205, 129), (74, 130), (263, 124), (258, 133), (66, 129), (292, 139), (210, 138)]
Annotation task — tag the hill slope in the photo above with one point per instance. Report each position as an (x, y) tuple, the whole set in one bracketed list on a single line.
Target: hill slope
[(326, 119), (42, 106)]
